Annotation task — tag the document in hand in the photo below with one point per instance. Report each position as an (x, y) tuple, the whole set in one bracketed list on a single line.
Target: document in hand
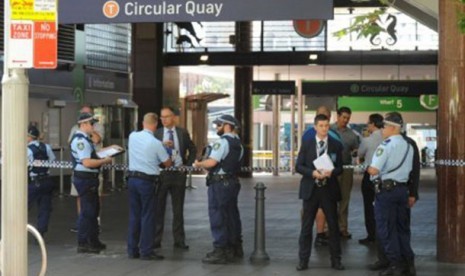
[(110, 151), (323, 163)]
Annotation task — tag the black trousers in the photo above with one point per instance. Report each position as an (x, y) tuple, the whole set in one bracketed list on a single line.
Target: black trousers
[(368, 193), (174, 183), (319, 199)]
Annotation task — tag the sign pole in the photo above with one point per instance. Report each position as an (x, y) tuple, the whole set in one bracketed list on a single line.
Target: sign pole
[(15, 90)]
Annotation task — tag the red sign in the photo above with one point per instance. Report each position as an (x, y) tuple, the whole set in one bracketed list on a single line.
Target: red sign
[(309, 28), (45, 45), (20, 31)]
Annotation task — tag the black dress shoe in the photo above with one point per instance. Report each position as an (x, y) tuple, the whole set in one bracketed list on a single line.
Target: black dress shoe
[(391, 270), (152, 257), (181, 245), (366, 241), (378, 265), (321, 241), (337, 265), (87, 248), (302, 266), (134, 256)]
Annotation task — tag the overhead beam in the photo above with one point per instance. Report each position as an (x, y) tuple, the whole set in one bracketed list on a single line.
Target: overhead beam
[(302, 58)]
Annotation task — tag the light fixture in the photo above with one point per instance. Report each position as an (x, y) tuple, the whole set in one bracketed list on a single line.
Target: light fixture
[(204, 58), (313, 57)]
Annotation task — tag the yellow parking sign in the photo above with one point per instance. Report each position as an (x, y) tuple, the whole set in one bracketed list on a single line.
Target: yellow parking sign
[(35, 10)]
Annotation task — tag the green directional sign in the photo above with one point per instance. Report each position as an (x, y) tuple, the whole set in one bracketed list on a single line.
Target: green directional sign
[(386, 104), (430, 102)]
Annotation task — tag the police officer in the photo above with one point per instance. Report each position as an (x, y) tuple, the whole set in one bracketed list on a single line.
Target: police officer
[(40, 185), (223, 165), (390, 169), (146, 153), (86, 165)]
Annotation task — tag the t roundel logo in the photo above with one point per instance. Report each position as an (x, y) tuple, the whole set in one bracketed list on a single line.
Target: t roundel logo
[(110, 9)]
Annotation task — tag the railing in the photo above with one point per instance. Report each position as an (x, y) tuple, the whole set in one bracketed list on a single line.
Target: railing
[(43, 250), (281, 36)]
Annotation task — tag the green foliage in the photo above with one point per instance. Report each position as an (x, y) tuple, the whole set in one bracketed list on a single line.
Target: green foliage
[(461, 18), (364, 25)]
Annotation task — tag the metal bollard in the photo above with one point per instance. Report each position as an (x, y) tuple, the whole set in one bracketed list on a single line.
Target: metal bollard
[(61, 174), (259, 254)]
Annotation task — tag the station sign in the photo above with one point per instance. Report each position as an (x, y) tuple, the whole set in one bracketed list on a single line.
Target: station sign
[(410, 88), (273, 87), (385, 104), (132, 11), (33, 36)]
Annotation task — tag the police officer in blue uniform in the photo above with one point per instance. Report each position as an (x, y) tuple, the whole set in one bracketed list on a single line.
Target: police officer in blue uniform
[(86, 166), (223, 164), (146, 153), (390, 169), (40, 185)]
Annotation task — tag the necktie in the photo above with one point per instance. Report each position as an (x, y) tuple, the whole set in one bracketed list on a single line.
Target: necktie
[(321, 148), (170, 138)]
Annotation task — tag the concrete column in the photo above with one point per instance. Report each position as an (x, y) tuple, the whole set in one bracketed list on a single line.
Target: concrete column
[(147, 62), (243, 77), (15, 93), (451, 145)]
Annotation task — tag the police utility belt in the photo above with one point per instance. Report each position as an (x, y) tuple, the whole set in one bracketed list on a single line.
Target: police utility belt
[(148, 177), (86, 175), (386, 185), (211, 178), (36, 179)]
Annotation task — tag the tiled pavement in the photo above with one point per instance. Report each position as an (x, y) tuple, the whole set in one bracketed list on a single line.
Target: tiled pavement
[(282, 230)]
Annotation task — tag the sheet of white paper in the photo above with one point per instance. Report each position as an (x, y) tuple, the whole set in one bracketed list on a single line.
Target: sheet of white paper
[(323, 163), (109, 151)]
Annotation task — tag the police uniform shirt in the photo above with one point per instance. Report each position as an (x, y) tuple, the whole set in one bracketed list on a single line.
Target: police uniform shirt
[(368, 146), (82, 149), (220, 150), (389, 155), (30, 154), (177, 153), (146, 152)]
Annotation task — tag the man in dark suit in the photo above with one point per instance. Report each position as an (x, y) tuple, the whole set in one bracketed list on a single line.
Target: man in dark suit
[(182, 151), (319, 189)]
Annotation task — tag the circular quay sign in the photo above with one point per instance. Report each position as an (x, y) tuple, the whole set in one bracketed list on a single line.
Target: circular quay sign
[(124, 11)]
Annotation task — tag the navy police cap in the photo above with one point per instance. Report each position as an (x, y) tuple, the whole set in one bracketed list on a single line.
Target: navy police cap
[(226, 119), (86, 117)]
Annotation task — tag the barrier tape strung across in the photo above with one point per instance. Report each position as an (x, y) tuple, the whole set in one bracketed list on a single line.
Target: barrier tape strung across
[(451, 163), (124, 167)]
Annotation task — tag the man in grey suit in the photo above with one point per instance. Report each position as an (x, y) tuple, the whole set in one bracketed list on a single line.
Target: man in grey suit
[(182, 151)]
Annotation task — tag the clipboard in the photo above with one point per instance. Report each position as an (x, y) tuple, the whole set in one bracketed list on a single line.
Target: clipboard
[(110, 151)]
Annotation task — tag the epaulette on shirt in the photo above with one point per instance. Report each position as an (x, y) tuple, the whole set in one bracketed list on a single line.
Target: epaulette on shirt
[(385, 142)]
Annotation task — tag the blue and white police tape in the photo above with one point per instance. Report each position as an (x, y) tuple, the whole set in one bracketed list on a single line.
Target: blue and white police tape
[(124, 167)]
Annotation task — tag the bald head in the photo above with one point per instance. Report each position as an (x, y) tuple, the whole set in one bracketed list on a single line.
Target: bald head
[(323, 110), (150, 121)]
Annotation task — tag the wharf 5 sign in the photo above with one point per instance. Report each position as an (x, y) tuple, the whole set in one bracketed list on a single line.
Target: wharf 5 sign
[(129, 11)]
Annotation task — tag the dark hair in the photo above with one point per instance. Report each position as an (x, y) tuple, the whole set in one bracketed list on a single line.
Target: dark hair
[(344, 109), (376, 119), (320, 117), (175, 111)]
